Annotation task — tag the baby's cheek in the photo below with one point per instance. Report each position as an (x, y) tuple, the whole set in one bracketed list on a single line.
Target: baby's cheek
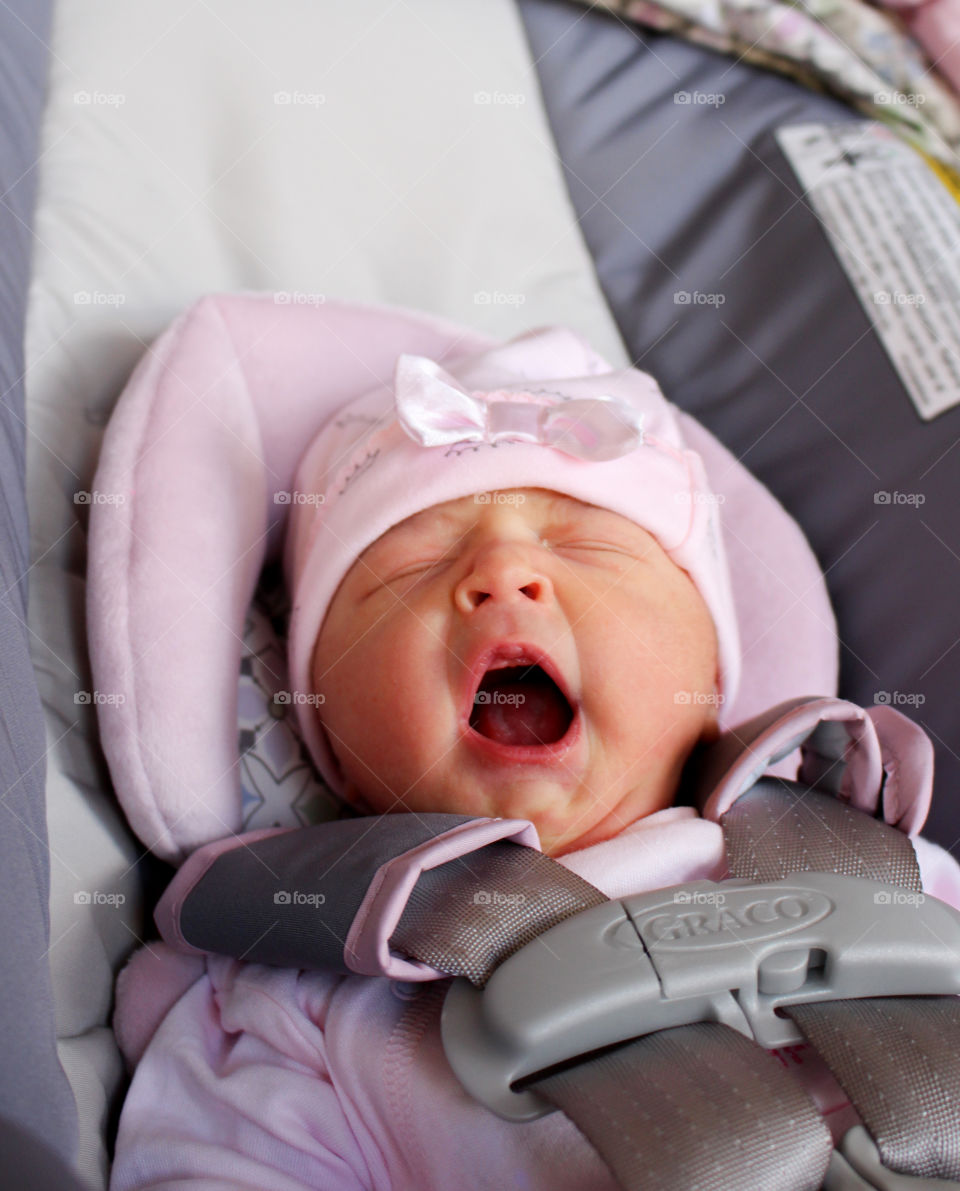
[(688, 629)]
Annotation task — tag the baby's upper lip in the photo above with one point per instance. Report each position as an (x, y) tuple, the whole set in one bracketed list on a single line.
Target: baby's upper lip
[(511, 652)]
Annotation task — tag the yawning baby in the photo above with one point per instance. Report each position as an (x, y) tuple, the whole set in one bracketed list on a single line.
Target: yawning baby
[(519, 653)]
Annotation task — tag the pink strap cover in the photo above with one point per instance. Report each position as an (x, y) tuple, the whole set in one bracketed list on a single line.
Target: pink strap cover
[(366, 948), (852, 752)]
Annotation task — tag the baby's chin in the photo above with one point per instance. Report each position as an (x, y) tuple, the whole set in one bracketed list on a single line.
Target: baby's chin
[(566, 814)]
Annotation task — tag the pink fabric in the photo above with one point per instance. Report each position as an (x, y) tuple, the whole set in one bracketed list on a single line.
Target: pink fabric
[(205, 436), (907, 756), (149, 985), (369, 469), (936, 25), (277, 1079), (208, 429), (787, 628), (845, 749)]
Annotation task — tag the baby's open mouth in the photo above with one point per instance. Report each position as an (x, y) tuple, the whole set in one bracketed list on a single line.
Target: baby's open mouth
[(520, 705)]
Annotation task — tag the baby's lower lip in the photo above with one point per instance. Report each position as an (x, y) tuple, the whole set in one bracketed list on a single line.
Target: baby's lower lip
[(513, 754)]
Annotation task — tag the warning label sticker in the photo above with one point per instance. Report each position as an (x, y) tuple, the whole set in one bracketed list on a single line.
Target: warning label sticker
[(895, 227)]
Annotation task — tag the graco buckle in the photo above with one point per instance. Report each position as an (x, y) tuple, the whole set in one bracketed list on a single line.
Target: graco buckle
[(732, 952)]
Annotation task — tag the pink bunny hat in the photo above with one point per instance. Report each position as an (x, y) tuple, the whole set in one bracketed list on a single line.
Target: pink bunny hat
[(194, 493), (608, 438)]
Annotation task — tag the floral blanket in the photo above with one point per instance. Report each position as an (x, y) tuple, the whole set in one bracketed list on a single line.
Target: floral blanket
[(868, 56)]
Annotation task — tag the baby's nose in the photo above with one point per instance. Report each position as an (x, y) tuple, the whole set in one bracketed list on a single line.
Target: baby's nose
[(503, 572)]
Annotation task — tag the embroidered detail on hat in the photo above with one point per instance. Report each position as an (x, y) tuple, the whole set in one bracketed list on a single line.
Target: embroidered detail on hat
[(367, 419), (359, 467), (459, 448)]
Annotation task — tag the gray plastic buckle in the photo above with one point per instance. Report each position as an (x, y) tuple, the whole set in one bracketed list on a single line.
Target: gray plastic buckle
[(733, 952)]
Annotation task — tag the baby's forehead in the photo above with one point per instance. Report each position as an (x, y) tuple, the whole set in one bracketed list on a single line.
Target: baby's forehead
[(537, 502)]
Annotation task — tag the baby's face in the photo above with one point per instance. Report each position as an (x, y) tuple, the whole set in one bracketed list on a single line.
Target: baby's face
[(442, 597)]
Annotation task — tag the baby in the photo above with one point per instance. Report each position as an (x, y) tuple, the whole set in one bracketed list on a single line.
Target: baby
[(511, 603), (524, 656)]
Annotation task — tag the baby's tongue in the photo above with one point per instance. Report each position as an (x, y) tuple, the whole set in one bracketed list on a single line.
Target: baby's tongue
[(528, 712)]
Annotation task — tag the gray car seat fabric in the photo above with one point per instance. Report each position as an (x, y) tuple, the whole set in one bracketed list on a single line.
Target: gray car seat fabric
[(34, 1092), (787, 371), (31, 1165)]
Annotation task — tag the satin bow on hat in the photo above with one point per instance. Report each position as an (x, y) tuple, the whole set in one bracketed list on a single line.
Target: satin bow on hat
[(434, 409)]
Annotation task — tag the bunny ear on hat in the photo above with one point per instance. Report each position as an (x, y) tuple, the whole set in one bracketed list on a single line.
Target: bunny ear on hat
[(207, 432)]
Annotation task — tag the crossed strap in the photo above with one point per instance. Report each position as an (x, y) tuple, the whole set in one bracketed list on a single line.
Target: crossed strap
[(701, 1106), (697, 1107)]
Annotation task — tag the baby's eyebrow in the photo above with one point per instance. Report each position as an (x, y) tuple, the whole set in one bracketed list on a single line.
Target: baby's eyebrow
[(425, 516)]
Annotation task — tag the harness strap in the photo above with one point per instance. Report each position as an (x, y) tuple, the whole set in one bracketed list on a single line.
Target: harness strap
[(456, 897), (707, 1102), (777, 828), (467, 916), (897, 1058), (695, 1107)]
